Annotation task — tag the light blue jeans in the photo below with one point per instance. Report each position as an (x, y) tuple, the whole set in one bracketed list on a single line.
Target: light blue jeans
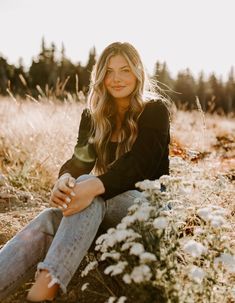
[(56, 243)]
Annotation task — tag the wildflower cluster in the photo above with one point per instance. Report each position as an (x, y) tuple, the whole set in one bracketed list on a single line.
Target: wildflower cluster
[(174, 244)]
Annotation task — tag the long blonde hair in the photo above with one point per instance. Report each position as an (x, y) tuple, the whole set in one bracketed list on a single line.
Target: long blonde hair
[(102, 107)]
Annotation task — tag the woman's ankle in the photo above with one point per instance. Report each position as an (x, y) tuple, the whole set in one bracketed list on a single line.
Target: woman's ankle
[(40, 290)]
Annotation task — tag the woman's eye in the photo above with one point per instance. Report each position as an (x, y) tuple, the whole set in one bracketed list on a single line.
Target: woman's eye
[(126, 70), (108, 72)]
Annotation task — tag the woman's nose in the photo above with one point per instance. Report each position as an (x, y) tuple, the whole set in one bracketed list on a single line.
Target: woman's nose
[(116, 77)]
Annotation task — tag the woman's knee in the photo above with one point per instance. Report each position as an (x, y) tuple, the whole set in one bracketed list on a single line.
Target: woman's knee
[(50, 213), (49, 218)]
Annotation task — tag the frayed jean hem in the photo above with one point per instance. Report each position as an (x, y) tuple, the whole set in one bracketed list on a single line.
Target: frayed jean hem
[(53, 275)]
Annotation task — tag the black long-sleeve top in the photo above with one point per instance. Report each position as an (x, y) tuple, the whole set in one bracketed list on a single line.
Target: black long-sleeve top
[(147, 159)]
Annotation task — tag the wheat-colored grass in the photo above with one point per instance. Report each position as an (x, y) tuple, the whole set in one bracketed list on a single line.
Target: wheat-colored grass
[(36, 138)]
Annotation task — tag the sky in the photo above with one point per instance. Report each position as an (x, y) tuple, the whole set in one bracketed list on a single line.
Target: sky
[(198, 34)]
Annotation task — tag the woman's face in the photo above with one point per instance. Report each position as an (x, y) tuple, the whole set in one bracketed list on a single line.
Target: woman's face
[(119, 79)]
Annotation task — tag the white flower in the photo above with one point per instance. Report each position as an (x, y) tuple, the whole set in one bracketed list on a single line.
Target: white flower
[(115, 236), (111, 300), (129, 220), (110, 231), (122, 235), (122, 299), (220, 212), (121, 226), (196, 274), (204, 213), (143, 212), (194, 248), (217, 221), (127, 245), (227, 260), (110, 241), (126, 278), (160, 223), (112, 255), (84, 286), (147, 257), (198, 230), (141, 273), (88, 268), (105, 241), (213, 214), (147, 184), (116, 269), (101, 238), (137, 249), (177, 161)]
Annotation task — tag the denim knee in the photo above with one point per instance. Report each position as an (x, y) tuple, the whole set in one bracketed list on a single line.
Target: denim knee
[(48, 220), (84, 177), (48, 214)]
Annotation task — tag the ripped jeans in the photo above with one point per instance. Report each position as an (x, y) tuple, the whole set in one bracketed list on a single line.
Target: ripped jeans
[(57, 243)]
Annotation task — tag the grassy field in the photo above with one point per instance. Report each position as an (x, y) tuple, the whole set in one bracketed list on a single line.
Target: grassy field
[(36, 138)]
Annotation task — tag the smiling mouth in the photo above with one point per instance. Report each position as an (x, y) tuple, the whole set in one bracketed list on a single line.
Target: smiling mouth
[(118, 87)]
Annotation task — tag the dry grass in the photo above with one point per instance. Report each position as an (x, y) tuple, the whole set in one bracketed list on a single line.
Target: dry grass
[(211, 136), (36, 138)]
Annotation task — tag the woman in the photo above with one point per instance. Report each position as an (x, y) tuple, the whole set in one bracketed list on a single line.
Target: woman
[(123, 138)]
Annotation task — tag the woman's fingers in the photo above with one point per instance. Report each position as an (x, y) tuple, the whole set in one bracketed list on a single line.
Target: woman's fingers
[(63, 197), (62, 192), (60, 198), (55, 201), (71, 182), (66, 185), (62, 187)]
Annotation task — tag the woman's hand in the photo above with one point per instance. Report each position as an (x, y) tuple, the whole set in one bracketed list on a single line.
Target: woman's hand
[(62, 191), (85, 192)]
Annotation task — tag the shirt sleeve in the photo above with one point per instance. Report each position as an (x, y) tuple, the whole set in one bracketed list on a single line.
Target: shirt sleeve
[(142, 161), (84, 156)]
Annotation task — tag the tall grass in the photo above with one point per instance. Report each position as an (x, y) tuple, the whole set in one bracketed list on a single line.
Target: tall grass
[(37, 137)]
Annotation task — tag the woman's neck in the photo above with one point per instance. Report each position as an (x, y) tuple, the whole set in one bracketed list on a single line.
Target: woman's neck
[(122, 106)]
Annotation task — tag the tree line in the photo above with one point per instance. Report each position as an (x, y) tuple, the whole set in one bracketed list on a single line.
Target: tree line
[(53, 74)]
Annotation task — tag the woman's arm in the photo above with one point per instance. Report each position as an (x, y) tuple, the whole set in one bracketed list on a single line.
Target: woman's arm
[(146, 154), (84, 157), (74, 198)]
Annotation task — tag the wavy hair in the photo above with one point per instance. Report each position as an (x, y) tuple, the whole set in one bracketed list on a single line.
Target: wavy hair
[(102, 107)]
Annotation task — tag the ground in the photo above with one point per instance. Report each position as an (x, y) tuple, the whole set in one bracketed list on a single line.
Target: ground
[(207, 140)]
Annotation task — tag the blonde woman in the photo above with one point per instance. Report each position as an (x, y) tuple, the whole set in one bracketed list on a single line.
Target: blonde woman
[(123, 138)]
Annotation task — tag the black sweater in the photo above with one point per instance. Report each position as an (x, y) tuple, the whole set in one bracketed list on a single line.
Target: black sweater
[(148, 158)]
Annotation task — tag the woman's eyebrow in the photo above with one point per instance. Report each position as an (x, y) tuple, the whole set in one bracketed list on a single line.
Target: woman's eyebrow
[(120, 67)]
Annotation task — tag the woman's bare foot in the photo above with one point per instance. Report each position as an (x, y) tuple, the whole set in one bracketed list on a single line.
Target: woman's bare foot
[(40, 290)]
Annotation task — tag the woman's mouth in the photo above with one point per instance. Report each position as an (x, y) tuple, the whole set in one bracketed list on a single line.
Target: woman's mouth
[(118, 87)]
